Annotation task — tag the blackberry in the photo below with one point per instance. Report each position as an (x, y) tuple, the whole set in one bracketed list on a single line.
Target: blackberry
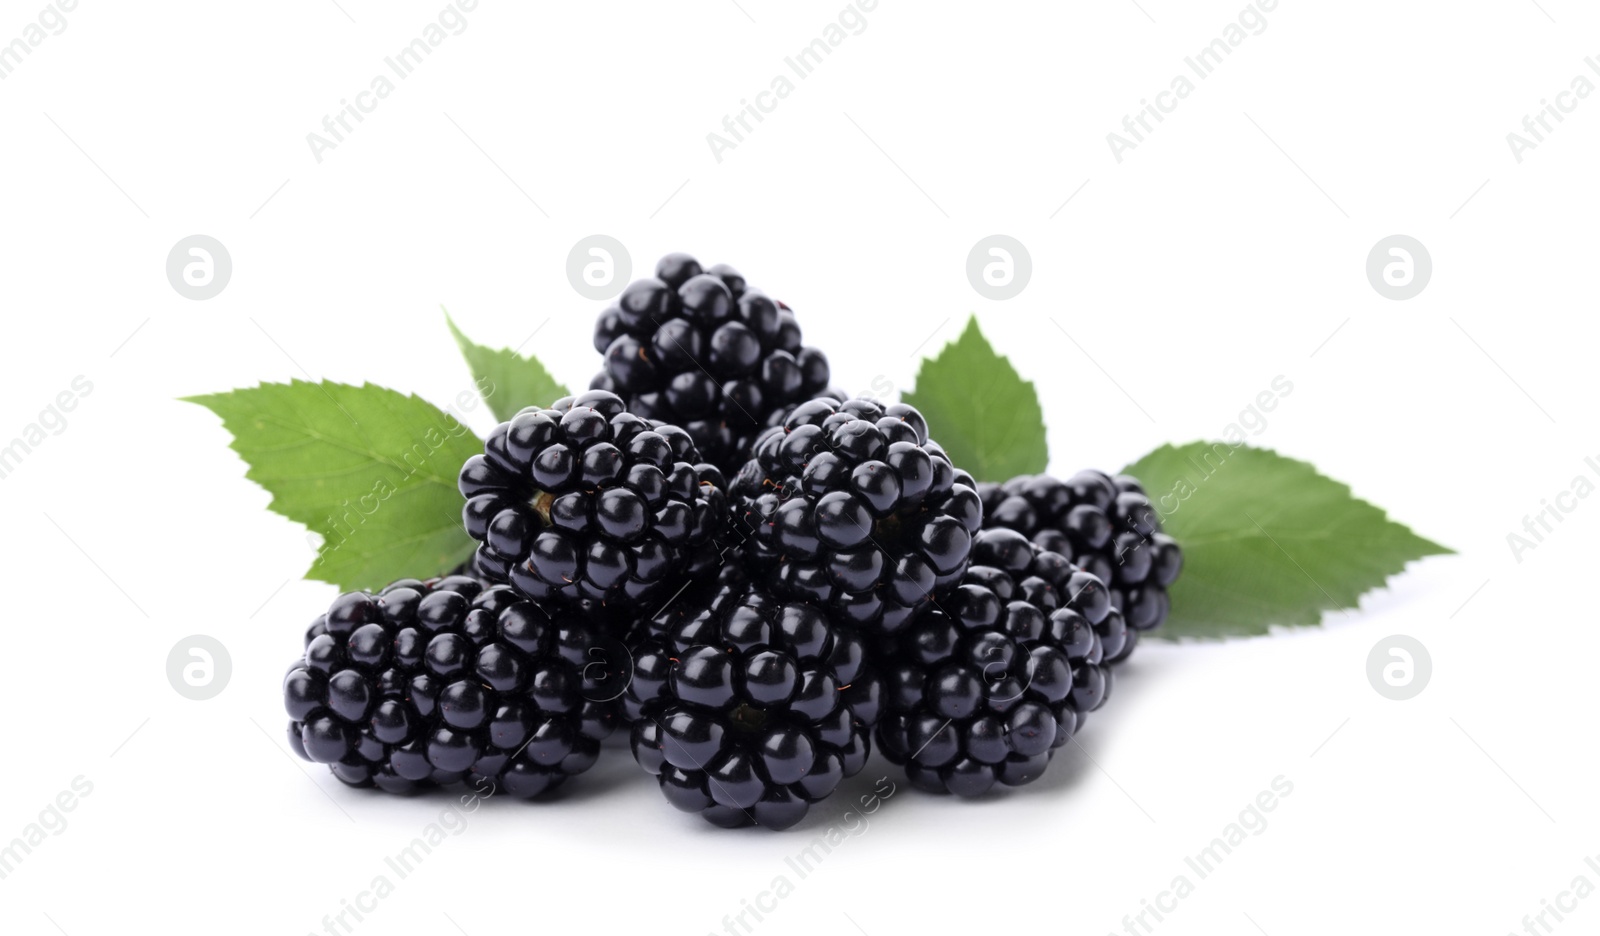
[(850, 505), (431, 683), (651, 642), (985, 687), (1102, 523), (750, 709), (588, 501), (701, 349)]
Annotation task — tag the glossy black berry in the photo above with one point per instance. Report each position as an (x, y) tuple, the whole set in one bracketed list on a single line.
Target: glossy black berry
[(452, 679), (984, 688), (746, 708), (701, 349), (586, 501), (1104, 524), (850, 505)]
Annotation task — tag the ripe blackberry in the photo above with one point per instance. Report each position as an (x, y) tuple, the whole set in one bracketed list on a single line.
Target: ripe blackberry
[(750, 709), (985, 687), (651, 642), (585, 500), (698, 348), (430, 683), (848, 504), (1102, 523)]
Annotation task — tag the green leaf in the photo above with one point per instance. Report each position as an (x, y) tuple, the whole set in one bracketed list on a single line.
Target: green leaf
[(1266, 539), (507, 380), (370, 469), (978, 407)]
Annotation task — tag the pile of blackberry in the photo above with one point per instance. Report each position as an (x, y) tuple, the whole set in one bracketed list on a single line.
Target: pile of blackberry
[(701, 349), (1106, 525), (752, 573)]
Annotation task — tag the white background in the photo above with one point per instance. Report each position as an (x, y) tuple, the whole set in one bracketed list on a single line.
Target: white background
[(1222, 252)]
